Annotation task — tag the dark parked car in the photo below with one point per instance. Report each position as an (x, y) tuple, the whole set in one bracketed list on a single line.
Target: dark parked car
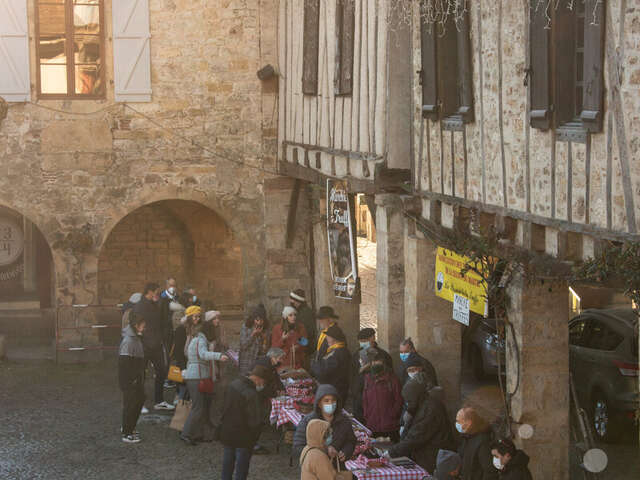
[(603, 348), (482, 346)]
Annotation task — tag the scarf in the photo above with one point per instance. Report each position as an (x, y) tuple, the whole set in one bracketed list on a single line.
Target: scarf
[(323, 335), (335, 346)]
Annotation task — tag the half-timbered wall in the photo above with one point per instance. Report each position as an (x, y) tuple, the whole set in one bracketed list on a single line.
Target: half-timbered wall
[(338, 134), (498, 162)]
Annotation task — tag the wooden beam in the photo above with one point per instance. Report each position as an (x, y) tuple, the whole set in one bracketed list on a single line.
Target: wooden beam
[(354, 185), (293, 210), (336, 151)]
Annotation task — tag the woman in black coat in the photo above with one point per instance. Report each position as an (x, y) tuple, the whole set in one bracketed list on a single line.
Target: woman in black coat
[(425, 428), (512, 464)]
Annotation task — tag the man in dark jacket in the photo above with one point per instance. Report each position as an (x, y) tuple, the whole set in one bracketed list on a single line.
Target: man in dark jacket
[(168, 295), (360, 364), (154, 349), (448, 465), (511, 463), (477, 461), (241, 422), (333, 368), (131, 376), (326, 319), (425, 428), (408, 352), (305, 315), (328, 406)]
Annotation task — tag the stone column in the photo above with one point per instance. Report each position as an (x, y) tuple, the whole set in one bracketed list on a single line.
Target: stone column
[(539, 315), (428, 318), (348, 310), (390, 271)]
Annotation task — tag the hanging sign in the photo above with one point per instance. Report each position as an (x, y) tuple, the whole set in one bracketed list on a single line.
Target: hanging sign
[(342, 260), (461, 309), (451, 282)]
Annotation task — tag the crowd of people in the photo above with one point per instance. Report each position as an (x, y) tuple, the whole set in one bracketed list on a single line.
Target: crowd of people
[(404, 406)]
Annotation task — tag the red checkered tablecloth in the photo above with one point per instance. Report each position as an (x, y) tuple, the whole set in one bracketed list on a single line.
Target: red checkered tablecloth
[(285, 415), (361, 471)]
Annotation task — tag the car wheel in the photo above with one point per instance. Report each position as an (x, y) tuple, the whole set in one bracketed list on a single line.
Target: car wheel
[(477, 363), (602, 418)]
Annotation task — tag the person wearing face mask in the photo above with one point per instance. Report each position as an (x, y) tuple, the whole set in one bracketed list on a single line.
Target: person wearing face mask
[(191, 297), (153, 341), (511, 463), (326, 319), (408, 353), (381, 400), (131, 376), (168, 296), (315, 462), (425, 427), (241, 422), (448, 466), (477, 461), (291, 336), (328, 407)]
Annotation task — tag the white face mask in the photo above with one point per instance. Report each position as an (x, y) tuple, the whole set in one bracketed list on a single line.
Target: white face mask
[(171, 290), (259, 388), (497, 463), (412, 374), (329, 408), (459, 428)]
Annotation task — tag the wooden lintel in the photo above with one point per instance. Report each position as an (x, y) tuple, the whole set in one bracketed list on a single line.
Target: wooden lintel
[(355, 185), (558, 224), (335, 151), (293, 210)]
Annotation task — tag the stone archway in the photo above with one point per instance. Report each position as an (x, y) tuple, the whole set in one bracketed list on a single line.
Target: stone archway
[(27, 292), (172, 237)]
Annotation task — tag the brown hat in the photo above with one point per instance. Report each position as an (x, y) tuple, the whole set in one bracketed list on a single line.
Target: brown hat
[(326, 312), (260, 371)]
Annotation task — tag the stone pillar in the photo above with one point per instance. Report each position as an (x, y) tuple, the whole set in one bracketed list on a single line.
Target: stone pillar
[(390, 271), (539, 314), (347, 310), (428, 318)]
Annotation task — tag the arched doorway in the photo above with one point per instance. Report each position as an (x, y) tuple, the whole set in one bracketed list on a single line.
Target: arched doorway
[(179, 238), (26, 282)]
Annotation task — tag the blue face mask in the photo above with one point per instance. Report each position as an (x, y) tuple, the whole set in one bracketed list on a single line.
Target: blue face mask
[(459, 428), (404, 356), (365, 344), (329, 408), (194, 299)]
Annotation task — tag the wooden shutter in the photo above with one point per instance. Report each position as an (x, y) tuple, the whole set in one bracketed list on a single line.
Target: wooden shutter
[(345, 24), (539, 69), (310, 47), (465, 81), (15, 85), (131, 51), (564, 34), (593, 90), (447, 72), (429, 72)]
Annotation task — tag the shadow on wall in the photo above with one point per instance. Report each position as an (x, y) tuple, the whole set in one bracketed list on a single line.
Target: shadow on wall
[(178, 238)]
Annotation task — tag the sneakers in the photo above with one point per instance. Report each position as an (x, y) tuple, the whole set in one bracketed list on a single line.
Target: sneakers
[(188, 441), (133, 438), (144, 411), (163, 406)]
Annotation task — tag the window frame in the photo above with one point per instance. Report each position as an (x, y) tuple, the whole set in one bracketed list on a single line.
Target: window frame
[(69, 46)]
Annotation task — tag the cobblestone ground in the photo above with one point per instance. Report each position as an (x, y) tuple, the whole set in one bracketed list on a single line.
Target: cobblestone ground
[(367, 271), (63, 422)]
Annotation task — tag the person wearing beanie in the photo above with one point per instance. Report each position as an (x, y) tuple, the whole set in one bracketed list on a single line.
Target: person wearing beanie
[(448, 465), (360, 364), (326, 319), (298, 300), (334, 367), (131, 376), (241, 422), (291, 336)]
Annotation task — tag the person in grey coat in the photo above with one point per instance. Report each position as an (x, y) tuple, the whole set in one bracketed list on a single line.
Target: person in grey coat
[(200, 366), (131, 376)]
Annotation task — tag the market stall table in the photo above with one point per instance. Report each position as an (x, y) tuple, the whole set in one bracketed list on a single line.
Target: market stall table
[(362, 468)]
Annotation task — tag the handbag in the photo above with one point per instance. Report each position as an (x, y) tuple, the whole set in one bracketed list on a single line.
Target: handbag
[(175, 374), (205, 385), (180, 415)]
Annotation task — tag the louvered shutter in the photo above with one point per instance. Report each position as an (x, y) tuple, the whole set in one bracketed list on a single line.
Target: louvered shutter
[(131, 51), (345, 24), (564, 45), (539, 71), (447, 72), (465, 82), (310, 39), (429, 69), (593, 89), (14, 51)]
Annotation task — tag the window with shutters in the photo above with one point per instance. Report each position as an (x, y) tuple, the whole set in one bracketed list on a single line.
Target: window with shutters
[(566, 68), (310, 41), (70, 48), (445, 75), (345, 24)]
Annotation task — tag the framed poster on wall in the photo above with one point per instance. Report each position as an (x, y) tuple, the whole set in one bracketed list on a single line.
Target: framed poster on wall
[(342, 253)]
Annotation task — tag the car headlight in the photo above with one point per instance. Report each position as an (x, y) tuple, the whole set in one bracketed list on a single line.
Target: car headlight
[(495, 341)]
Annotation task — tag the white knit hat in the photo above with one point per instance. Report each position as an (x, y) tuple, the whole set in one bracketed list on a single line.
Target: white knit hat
[(286, 311), (210, 315)]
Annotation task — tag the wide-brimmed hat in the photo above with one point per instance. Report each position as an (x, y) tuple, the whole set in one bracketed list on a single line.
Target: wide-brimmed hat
[(326, 312), (261, 371)]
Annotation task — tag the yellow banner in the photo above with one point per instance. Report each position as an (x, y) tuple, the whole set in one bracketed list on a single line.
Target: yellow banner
[(450, 280)]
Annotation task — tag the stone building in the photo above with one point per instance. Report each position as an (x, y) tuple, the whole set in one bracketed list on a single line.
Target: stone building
[(138, 143), (520, 120)]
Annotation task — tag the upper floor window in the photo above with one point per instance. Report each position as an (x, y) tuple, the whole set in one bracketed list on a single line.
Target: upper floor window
[(70, 48)]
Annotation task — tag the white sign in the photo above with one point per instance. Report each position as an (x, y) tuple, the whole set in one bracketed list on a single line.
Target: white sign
[(11, 241), (461, 309)]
